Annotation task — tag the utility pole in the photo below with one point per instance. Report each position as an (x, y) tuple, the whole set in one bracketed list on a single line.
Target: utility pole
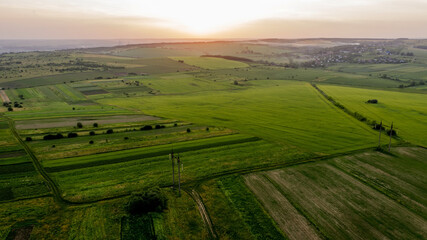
[(391, 133), (180, 167), (172, 158), (179, 176), (379, 138)]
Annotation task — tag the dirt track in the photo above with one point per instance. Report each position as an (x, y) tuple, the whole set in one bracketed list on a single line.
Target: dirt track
[(206, 219)]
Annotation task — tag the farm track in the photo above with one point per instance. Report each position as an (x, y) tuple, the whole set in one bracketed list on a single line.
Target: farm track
[(203, 213), (52, 185)]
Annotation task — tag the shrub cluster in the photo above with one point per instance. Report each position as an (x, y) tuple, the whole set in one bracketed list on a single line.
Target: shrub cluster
[(146, 127), (151, 200), (53, 136), (72, 135)]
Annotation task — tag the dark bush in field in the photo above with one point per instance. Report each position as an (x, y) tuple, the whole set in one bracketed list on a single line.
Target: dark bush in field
[(378, 127), (109, 131), (159, 126), (175, 124), (91, 133), (147, 127), (95, 125), (72, 135), (10, 109), (393, 132), (126, 138), (79, 125), (372, 101), (207, 129), (151, 200), (188, 130), (28, 139), (91, 142), (52, 136)]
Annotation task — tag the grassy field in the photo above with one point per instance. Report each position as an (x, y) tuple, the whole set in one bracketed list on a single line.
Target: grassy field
[(285, 112), (406, 110), (18, 178), (269, 156)]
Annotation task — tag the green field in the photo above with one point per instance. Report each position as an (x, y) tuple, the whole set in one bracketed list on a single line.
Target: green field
[(280, 146), (272, 110), (211, 62), (407, 111)]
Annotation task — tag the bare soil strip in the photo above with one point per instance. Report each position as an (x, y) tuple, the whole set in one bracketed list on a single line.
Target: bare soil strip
[(290, 221), (4, 96), (344, 208)]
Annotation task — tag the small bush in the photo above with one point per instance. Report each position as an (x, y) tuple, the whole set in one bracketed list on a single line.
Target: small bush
[(393, 132), (188, 130), (10, 109), (91, 142), (175, 124), (52, 136), (53, 146), (126, 138), (147, 127), (79, 125), (151, 200), (28, 139), (109, 131), (159, 126), (95, 125), (72, 135), (92, 133), (207, 129), (372, 101), (378, 127)]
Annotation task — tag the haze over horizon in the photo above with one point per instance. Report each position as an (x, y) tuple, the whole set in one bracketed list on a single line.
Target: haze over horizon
[(131, 19)]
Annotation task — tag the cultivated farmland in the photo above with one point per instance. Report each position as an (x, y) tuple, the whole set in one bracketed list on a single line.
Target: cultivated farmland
[(277, 143)]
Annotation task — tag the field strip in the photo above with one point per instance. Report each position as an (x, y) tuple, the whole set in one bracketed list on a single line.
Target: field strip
[(203, 213), (359, 212), (4, 96), (135, 154), (290, 221), (390, 185)]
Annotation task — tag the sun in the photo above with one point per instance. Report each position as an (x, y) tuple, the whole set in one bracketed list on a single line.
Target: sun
[(206, 17)]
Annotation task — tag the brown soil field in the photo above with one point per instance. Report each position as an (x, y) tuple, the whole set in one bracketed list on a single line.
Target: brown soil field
[(290, 221)]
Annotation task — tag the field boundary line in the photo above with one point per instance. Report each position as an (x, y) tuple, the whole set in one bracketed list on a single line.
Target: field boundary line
[(296, 206)]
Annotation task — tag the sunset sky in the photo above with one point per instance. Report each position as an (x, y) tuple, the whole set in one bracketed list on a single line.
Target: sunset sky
[(128, 19)]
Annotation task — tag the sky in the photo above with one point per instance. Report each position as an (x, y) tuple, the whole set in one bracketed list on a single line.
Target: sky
[(138, 19)]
